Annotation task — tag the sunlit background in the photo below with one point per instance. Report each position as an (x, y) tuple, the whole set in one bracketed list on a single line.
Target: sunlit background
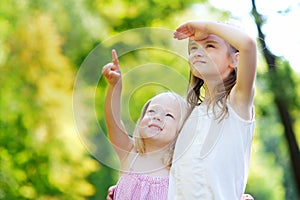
[(46, 153), (282, 33)]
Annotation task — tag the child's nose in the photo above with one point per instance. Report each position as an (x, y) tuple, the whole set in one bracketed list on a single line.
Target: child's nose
[(158, 116), (199, 53)]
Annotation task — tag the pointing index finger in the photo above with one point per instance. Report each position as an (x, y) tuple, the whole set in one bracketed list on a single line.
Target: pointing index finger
[(115, 57)]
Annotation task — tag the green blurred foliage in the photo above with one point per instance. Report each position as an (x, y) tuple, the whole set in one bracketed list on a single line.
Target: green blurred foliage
[(270, 131), (43, 45), (38, 159)]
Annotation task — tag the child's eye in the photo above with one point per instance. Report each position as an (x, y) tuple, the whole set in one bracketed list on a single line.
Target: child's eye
[(151, 112), (210, 46), (193, 48), (170, 115)]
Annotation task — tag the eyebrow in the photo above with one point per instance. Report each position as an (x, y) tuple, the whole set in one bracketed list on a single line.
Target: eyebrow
[(194, 42), (212, 41), (206, 41)]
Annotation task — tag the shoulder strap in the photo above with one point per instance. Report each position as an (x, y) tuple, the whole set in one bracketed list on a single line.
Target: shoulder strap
[(133, 161)]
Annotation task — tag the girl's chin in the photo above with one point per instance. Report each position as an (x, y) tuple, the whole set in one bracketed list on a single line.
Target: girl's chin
[(151, 134)]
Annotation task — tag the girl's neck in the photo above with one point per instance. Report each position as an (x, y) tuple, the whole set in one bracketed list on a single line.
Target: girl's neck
[(208, 94), (155, 150), (212, 90), (151, 163)]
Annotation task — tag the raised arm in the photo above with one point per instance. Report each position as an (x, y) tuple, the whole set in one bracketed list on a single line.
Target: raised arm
[(242, 94), (117, 134)]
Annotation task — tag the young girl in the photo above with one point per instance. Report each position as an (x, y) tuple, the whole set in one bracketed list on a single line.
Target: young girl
[(145, 161), (212, 152)]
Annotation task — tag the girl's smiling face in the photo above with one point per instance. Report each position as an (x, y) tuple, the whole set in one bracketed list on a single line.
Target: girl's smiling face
[(161, 122)]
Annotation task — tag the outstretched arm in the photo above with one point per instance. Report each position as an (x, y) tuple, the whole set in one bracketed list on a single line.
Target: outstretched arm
[(112, 108), (241, 96)]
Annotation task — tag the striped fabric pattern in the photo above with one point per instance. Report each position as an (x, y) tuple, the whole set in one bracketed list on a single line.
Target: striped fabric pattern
[(133, 186)]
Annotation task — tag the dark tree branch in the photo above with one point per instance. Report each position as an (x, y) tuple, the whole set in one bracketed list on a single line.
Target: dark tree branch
[(281, 105)]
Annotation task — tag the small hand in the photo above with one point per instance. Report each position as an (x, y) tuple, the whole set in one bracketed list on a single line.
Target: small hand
[(247, 197), (110, 192), (111, 71), (195, 30)]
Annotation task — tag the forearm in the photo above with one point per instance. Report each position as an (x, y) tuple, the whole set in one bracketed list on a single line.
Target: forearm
[(247, 55), (116, 130), (112, 106), (232, 35)]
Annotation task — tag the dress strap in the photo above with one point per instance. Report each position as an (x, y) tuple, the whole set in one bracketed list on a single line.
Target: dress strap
[(133, 161)]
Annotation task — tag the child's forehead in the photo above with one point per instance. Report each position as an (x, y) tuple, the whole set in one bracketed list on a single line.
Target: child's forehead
[(165, 100), (165, 107), (210, 38), (164, 97)]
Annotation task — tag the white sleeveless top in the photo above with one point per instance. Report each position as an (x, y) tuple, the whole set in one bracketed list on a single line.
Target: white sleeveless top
[(211, 159)]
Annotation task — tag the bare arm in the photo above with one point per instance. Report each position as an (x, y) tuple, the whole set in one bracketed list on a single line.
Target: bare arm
[(241, 97), (117, 133)]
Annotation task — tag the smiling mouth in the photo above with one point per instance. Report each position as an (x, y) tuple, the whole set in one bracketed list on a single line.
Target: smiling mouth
[(199, 61), (155, 127)]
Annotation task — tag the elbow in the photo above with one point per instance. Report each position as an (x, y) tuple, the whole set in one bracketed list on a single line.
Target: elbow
[(249, 45)]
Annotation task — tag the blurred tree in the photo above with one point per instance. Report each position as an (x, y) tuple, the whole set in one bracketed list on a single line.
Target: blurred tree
[(286, 100), (130, 14), (38, 159)]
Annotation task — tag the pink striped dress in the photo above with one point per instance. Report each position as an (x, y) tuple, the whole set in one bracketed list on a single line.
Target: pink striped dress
[(133, 186)]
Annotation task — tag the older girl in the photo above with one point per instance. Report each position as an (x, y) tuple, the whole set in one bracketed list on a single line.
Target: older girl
[(212, 152)]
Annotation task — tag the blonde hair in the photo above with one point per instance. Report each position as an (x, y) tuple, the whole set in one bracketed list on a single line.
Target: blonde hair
[(138, 141)]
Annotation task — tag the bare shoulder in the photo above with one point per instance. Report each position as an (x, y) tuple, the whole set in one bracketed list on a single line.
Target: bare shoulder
[(243, 107), (127, 160)]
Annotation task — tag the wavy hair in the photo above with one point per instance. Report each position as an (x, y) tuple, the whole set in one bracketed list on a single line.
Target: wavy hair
[(221, 91)]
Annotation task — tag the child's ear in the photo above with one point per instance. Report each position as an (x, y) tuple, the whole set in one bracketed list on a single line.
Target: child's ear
[(235, 60)]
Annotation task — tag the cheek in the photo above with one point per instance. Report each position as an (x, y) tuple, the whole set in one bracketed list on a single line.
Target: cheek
[(190, 58), (173, 129), (144, 121), (173, 135)]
